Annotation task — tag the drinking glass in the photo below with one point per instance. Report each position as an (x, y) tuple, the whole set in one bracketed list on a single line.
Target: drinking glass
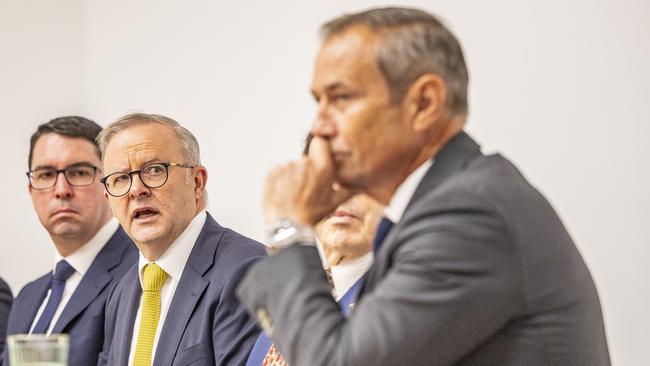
[(38, 349)]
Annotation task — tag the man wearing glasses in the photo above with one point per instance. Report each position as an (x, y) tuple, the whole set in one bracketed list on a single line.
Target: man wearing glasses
[(92, 251), (177, 306)]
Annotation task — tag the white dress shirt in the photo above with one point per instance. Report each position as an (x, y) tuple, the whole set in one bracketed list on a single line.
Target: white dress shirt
[(80, 260), (173, 263), (395, 209), (346, 273)]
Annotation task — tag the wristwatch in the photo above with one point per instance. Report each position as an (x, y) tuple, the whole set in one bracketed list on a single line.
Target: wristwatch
[(285, 233)]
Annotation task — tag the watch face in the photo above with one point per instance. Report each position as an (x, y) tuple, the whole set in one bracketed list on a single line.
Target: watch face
[(285, 233)]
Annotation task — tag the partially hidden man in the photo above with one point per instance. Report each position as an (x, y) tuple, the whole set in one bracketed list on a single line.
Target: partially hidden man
[(177, 306), (91, 252)]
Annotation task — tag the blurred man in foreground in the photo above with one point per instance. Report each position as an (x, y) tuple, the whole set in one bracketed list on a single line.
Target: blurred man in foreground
[(474, 268)]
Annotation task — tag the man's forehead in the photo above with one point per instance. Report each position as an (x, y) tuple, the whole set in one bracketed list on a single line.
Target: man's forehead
[(343, 56), (140, 146), (53, 149), (144, 138)]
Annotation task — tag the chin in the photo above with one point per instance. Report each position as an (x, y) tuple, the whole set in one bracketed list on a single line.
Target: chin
[(147, 237), (65, 229)]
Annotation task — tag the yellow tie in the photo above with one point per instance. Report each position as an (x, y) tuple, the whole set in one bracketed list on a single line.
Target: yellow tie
[(152, 282)]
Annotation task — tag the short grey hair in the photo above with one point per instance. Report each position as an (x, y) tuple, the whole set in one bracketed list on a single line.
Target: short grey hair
[(186, 138), (412, 43)]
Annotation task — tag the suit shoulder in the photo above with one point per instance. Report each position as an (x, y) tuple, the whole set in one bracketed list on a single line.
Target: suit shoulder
[(32, 284), (120, 241), (234, 242), (4, 287), (490, 179)]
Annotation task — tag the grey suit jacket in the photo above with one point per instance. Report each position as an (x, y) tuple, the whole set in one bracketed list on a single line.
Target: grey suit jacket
[(5, 305), (479, 271), (205, 323)]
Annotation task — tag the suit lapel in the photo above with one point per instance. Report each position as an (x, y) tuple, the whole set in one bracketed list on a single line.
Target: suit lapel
[(129, 302), (188, 292), (454, 155), (458, 152), (347, 302), (93, 282), (32, 300)]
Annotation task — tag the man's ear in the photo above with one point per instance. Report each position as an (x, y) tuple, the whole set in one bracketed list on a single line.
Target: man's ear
[(200, 180), (425, 100)]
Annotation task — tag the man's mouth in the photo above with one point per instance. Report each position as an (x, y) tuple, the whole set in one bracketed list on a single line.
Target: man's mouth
[(339, 155), (143, 213), (342, 217), (64, 211), (343, 213)]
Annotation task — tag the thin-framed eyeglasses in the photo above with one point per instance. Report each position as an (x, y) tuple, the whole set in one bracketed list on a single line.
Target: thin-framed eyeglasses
[(77, 175), (152, 176)]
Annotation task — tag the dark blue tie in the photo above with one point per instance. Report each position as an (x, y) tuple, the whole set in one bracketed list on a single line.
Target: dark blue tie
[(382, 230), (61, 274)]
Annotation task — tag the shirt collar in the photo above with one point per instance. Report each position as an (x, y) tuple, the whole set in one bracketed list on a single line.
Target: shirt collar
[(405, 191), (83, 257), (174, 259), (346, 273)]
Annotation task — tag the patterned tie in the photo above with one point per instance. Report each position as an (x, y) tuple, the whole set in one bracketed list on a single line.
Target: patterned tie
[(273, 356), (62, 272), (153, 280)]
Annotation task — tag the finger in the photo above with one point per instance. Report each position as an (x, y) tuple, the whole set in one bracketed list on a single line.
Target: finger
[(340, 194), (320, 155)]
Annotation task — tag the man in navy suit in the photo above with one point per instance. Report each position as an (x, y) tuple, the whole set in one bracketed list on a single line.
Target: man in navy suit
[(346, 243), (177, 306), (92, 251)]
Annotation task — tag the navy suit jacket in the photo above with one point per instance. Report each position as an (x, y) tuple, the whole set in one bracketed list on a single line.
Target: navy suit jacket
[(83, 316), (205, 323), (5, 305)]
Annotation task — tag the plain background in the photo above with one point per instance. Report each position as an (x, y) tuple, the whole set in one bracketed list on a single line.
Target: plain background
[(560, 87)]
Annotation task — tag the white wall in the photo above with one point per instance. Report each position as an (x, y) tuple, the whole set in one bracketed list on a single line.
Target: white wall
[(559, 87), (41, 76)]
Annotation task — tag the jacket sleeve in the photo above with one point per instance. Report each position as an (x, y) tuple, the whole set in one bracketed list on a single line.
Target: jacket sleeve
[(450, 285)]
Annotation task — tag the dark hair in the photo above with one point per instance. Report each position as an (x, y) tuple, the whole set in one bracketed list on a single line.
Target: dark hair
[(412, 43), (70, 126)]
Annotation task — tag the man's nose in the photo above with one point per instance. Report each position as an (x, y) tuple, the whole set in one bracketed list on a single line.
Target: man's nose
[(323, 126), (62, 189), (138, 188)]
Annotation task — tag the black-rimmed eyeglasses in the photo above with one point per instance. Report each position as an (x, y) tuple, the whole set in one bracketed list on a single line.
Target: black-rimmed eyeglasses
[(152, 176), (78, 175)]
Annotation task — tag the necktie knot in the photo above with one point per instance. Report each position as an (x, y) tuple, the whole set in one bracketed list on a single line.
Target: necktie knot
[(153, 278), (63, 271)]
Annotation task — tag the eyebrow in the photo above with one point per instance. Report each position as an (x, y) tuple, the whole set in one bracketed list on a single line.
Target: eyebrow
[(73, 165), (329, 88), (142, 165)]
